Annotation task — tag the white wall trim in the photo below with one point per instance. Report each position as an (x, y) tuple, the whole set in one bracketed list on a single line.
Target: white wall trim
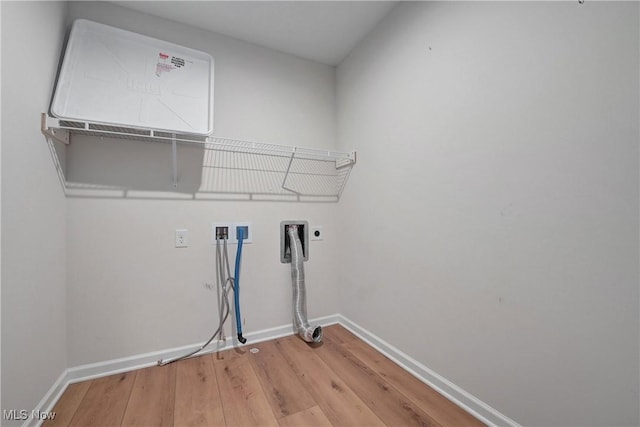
[(456, 394), (125, 364), (462, 398), (49, 399)]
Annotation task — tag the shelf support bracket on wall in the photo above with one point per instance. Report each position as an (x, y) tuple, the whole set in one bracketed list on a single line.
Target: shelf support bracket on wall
[(349, 162), (59, 135), (174, 160)]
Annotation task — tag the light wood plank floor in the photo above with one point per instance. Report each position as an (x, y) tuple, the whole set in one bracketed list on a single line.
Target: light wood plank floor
[(342, 382)]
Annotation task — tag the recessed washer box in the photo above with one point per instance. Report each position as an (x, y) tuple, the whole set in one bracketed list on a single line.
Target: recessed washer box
[(119, 78)]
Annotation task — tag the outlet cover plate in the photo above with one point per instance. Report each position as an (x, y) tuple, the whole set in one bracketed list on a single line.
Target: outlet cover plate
[(182, 238), (316, 232)]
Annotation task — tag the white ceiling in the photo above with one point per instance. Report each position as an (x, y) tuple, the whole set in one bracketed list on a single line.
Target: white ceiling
[(322, 31)]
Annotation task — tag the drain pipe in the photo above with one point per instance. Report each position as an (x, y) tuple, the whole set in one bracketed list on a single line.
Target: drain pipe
[(300, 322)]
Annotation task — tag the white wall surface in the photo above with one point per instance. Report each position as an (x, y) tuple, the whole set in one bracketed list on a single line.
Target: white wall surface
[(491, 225), (129, 290), (489, 229), (33, 208)]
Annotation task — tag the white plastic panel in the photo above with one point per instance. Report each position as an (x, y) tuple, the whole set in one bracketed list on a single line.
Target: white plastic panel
[(121, 78)]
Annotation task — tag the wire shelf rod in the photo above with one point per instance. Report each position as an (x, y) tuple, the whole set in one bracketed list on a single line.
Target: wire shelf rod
[(214, 142), (232, 165)]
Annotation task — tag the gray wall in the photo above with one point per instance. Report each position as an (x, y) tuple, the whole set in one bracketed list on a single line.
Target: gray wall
[(130, 291), (491, 224), (489, 229), (34, 345)]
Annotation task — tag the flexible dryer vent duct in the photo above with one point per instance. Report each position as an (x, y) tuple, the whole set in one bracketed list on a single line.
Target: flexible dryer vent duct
[(306, 332)]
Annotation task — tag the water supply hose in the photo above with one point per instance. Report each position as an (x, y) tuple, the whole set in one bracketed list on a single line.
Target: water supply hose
[(236, 291), (225, 284), (300, 322)]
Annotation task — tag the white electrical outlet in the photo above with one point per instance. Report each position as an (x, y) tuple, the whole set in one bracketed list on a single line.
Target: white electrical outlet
[(316, 232), (182, 240)]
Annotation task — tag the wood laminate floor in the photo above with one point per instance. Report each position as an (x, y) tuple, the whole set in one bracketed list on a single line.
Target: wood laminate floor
[(342, 382)]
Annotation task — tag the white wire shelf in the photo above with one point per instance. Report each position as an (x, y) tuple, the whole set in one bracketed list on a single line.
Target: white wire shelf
[(232, 166)]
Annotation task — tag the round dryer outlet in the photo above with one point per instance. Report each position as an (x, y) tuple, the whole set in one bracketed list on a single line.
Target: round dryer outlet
[(316, 232)]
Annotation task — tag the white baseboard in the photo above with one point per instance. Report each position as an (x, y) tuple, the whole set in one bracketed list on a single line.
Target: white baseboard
[(49, 399), (125, 364), (460, 397), (465, 400)]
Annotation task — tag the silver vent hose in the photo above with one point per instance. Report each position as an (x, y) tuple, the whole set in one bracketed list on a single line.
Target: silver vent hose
[(300, 322)]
